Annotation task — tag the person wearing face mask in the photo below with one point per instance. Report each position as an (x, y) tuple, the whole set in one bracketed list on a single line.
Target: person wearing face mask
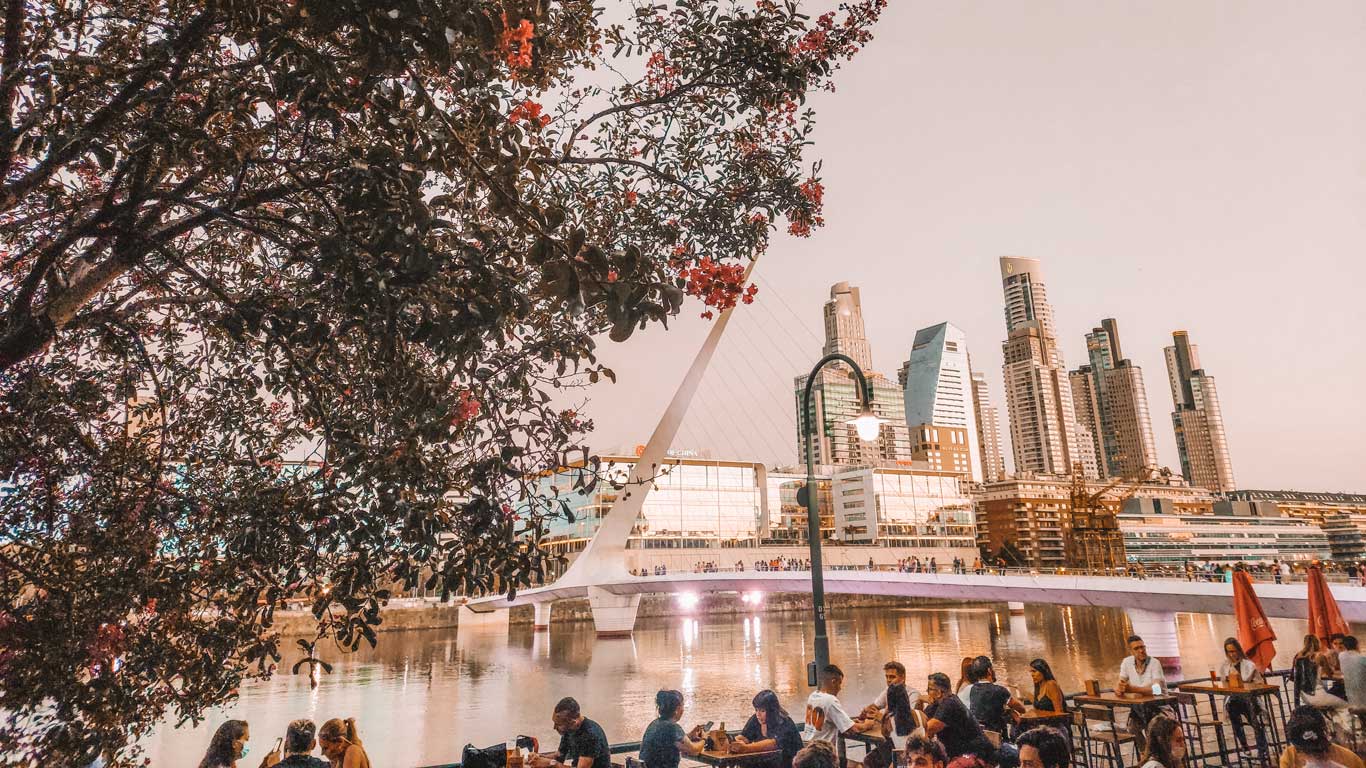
[(227, 746), (341, 744), (1166, 746)]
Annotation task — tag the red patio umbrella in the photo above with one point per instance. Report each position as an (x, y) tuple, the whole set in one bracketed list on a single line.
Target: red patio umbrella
[(1325, 618), (1254, 631)]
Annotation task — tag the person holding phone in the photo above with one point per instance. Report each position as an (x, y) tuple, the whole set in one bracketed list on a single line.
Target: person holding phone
[(664, 742)]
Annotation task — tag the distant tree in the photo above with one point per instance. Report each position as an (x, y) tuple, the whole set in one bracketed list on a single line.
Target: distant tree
[(376, 235)]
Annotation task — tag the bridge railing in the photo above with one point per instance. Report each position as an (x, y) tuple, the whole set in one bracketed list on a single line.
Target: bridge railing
[(1165, 574)]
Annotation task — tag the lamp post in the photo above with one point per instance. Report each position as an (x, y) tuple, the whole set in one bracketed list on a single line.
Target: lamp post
[(868, 427)]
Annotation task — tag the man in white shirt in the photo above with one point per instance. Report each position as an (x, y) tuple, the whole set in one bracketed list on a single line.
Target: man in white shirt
[(1138, 673), (897, 699), (825, 716), (1353, 665)]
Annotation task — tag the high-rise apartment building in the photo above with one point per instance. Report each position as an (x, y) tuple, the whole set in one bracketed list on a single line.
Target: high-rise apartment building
[(1044, 435), (844, 330), (1197, 420), (993, 454), (1112, 404), (938, 398), (835, 396)]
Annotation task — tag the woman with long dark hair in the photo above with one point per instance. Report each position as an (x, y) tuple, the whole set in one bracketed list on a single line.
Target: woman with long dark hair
[(1242, 707), (1048, 695), (1166, 746), (664, 742), (227, 746), (770, 727)]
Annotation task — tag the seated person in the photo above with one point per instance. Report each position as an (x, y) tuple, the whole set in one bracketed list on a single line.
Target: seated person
[(883, 754), (1166, 744), (896, 700), (299, 742), (923, 752), (951, 723), (1048, 695), (770, 727), (1331, 654), (1240, 707), (1311, 745), (825, 716), (582, 742), (988, 701), (817, 754), (1353, 666), (664, 742), (1044, 747), (1139, 672)]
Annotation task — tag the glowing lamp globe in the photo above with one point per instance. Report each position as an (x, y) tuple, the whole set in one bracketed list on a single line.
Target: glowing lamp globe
[(867, 425)]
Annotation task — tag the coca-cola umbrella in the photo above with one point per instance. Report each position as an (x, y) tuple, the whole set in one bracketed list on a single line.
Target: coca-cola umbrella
[(1325, 618), (1254, 630)]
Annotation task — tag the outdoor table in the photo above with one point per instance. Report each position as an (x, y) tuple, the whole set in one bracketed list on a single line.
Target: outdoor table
[(1033, 718), (1262, 690), (1112, 701), (727, 759)]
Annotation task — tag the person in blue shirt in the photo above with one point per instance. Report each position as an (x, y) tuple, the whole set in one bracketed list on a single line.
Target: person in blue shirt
[(664, 742)]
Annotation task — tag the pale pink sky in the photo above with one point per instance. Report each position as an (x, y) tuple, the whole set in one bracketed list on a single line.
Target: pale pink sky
[(1193, 165)]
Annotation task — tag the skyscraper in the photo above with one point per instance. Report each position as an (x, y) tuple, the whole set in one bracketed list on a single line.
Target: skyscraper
[(1044, 434), (938, 398), (1197, 420), (993, 454), (844, 331), (835, 396), (1112, 404)]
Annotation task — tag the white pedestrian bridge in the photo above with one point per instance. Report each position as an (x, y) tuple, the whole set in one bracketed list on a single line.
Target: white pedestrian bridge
[(1151, 603)]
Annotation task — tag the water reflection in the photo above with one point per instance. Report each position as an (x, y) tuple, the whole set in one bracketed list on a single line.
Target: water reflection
[(421, 695)]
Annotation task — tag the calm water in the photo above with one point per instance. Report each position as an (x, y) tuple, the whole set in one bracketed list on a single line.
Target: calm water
[(421, 695)]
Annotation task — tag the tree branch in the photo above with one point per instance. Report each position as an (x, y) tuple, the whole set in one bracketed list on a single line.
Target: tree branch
[(12, 193), (652, 170), (660, 99)]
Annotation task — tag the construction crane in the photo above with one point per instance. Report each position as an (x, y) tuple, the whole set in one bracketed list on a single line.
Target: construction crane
[(1096, 543)]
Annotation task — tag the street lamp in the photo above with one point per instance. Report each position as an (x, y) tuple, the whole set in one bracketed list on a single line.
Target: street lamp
[(868, 426)]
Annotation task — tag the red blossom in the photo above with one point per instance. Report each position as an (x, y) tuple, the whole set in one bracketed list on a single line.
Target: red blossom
[(466, 409), (529, 111), (717, 285), (631, 197), (514, 44)]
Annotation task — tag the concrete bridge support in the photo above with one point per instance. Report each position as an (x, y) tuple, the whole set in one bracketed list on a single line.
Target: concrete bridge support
[(1158, 630), (542, 621), (613, 615)]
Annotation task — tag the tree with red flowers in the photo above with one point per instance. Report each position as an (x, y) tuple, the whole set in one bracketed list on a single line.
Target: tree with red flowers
[(286, 287)]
